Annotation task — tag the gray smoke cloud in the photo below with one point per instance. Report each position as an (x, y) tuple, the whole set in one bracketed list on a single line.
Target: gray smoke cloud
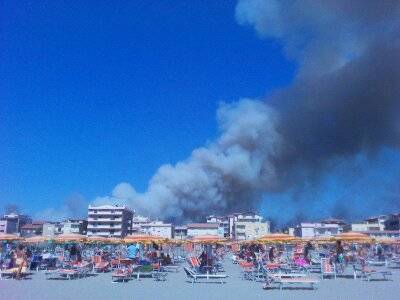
[(343, 101)]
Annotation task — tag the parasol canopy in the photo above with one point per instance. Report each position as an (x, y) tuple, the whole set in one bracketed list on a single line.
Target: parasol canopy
[(70, 237), (95, 239), (144, 239), (9, 237), (352, 236), (38, 239), (207, 239), (276, 238)]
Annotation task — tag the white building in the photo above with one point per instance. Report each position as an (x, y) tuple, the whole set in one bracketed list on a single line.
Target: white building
[(74, 226), (109, 220), (248, 226), (198, 229), (180, 232), (158, 228), (311, 230), (223, 224), (372, 224)]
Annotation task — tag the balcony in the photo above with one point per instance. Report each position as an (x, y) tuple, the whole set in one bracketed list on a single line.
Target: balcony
[(104, 226), (105, 213), (104, 219)]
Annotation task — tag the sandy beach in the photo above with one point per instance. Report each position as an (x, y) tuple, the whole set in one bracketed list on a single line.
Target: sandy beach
[(176, 287)]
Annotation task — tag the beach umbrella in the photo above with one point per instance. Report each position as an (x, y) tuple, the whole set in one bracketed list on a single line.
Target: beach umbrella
[(70, 237), (9, 237), (114, 241), (97, 240), (323, 239), (276, 238), (144, 239), (353, 237), (37, 239), (387, 240), (208, 239)]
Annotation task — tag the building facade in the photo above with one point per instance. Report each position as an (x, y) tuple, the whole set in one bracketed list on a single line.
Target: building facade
[(311, 230), (35, 228), (74, 226), (158, 228), (199, 229), (248, 226), (12, 223), (109, 221), (180, 232)]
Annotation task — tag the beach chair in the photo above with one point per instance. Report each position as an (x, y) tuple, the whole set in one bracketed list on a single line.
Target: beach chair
[(327, 269), (283, 281), (143, 271), (12, 273), (62, 274), (363, 271), (99, 265), (195, 276), (121, 274)]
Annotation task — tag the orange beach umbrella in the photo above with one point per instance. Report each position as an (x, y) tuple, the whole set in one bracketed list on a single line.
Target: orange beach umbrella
[(70, 237), (275, 238), (9, 237), (207, 239)]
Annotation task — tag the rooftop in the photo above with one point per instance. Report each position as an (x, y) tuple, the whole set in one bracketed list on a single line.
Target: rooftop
[(203, 225)]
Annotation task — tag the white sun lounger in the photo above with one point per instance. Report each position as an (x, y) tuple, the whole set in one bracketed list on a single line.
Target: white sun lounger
[(194, 276)]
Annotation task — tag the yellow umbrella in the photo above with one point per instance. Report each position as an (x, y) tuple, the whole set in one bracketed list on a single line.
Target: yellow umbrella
[(324, 239), (97, 239), (387, 240), (9, 237), (70, 237), (208, 239), (353, 237), (144, 239), (37, 239), (114, 241), (276, 238)]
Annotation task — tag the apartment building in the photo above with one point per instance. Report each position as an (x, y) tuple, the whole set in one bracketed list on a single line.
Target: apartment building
[(74, 226), (109, 220), (248, 226), (35, 228), (198, 229), (180, 232), (319, 229), (158, 228), (12, 223), (223, 224)]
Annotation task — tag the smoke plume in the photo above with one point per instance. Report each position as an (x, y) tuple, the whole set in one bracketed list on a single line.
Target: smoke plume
[(344, 101)]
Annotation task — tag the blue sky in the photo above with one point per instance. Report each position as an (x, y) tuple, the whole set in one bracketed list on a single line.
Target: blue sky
[(95, 92)]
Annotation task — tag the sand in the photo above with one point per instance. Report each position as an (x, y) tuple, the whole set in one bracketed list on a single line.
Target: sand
[(176, 287)]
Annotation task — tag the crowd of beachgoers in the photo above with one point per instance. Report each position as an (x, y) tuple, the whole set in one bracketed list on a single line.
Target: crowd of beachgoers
[(277, 261)]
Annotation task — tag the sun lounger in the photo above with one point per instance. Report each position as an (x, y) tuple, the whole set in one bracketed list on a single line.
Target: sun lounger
[(327, 269), (282, 281), (62, 274), (368, 273), (194, 276), (121, 275), (12, 273), (143, 271)]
